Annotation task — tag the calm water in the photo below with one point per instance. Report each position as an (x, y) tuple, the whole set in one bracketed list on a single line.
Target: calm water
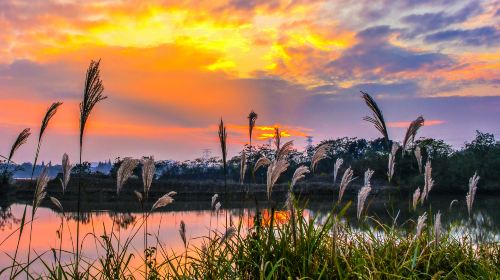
[(164, 226)]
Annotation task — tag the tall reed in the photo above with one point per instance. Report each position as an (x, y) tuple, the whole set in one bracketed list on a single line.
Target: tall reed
[(51, 111), (223, 147), (92, 94), (148, 172)]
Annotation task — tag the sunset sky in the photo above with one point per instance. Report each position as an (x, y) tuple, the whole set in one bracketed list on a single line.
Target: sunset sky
[(172, 70)]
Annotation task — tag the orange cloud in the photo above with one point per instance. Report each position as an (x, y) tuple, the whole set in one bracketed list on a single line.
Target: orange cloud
[(405, 124)]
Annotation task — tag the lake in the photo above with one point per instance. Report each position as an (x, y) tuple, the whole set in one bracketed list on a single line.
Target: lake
[(163, 226)]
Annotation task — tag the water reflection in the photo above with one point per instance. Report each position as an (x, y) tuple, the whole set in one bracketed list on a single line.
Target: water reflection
[(483, 226)]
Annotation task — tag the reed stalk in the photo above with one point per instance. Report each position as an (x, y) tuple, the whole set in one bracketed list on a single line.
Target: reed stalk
[(92, 94)]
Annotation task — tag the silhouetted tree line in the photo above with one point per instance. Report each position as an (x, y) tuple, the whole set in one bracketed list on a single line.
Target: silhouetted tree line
[(451, 169)]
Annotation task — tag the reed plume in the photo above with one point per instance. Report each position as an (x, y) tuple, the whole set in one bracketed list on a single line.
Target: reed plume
[(420, 225), (364, 192), (362, 195), (284, 150), (416, 198), (377, 119), (472, 192), (66, 172), (92, 94), (428, 181), (51, 111), (252, 118), (392, 161), (217, 207), (124, 172), (261, 162), (148, 173), (214, 200), (57, 203), (40, 190), (299, 174), (418, 156), (437, 227), (451, 204), (243, 167), (182, 233), (20, 140), (228, 234), (347, 178), (163, 201), (274, 171), (320, 153), (368, 177), (277, 138), (411, 132), (336, 168), (139, 196)]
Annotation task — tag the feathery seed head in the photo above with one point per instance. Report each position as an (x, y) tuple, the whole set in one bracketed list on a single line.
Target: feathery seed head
[(274, 171), (57, 203), (163, 201), (336, 167), (40, 190), (347, 178), (124, 172), (320, 153), (362, 195), (148, 172), (299, 174), (472, 192), (20, 140)]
